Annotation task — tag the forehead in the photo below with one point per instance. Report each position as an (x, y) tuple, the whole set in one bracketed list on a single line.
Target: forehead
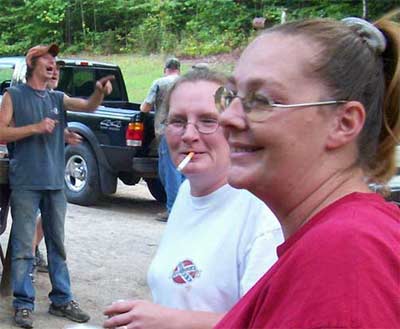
[(276, 58), (193, 97), (47, 57)]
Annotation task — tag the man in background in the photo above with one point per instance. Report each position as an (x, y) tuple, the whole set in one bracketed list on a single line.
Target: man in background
[(169, 176)]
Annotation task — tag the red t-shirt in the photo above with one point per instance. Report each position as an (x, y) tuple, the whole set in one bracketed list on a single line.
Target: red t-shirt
[(340, 270)]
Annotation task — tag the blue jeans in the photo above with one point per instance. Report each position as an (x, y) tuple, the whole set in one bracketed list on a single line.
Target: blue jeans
[(24, 206), (169, 176)]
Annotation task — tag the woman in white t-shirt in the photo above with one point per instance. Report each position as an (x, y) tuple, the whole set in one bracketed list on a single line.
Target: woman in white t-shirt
[(219, 240)]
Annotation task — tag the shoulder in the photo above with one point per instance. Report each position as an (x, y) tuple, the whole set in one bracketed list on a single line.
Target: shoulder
[(184, 188), (254, 218), (357, 229), (167, 80), (157, 82), (183, 195), (257, 209), (362, 215), (58, 94), (16, 89)]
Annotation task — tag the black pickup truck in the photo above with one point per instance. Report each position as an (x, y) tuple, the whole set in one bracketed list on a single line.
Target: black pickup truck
[(118, 140)]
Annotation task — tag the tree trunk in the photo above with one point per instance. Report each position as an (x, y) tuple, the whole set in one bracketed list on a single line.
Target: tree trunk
[(365, 9), (83, 21)]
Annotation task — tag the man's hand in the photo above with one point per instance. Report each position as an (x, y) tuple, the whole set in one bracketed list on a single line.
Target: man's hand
[(46, 126), (72, 138), (104, 84), (103, 88)]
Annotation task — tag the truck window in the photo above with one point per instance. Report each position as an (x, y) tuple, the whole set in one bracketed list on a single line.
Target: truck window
[(116, 94), (83, 81), (80, 82)]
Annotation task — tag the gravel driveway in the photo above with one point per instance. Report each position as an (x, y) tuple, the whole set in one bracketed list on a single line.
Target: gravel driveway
[(109, 249)]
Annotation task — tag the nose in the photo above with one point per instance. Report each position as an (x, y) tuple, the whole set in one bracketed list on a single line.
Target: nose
[(234, 116), (190, 133)]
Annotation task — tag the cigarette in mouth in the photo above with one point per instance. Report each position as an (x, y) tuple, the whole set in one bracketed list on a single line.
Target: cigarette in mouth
[(185, 161)]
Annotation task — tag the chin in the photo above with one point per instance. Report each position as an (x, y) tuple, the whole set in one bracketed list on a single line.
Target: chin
[(239, 179)]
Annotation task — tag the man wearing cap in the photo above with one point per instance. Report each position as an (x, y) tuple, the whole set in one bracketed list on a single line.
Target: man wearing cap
[(169, 176), (32, 122), (72, 138)]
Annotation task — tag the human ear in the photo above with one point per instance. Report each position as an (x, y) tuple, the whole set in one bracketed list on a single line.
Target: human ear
[(348, 121)]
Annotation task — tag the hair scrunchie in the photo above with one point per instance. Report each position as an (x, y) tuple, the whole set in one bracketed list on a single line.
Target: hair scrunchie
[(374, 38)]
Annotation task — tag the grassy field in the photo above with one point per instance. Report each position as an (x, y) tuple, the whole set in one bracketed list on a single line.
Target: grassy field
[(140, 71)]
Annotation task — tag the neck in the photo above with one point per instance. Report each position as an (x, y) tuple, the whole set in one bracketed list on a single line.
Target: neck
[(201, 187), (296, 208), (36, 83)]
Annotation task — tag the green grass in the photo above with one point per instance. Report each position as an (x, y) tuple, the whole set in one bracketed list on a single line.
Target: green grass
[(6, 74), (140, 71)]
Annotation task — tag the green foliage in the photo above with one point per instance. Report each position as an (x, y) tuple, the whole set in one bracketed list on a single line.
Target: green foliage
[(139, 71), (183, 27)]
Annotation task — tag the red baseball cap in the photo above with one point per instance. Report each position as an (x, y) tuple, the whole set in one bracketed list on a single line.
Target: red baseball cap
[(39, 51)]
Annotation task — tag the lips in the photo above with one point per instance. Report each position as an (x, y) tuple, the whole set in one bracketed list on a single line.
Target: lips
[(241, 148)]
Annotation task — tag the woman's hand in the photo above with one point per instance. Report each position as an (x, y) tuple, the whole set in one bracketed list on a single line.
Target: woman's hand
[(136, 314), (141, 314)]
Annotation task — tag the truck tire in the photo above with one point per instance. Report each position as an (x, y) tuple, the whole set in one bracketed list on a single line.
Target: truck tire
[(156, 189), (81, 176)]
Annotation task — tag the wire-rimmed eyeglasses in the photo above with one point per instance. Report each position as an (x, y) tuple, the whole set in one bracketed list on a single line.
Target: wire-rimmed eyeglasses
[(257, 107), (203, 126)]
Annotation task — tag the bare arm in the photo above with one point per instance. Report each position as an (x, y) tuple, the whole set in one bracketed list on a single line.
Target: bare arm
[(142, 314), (103, 87), (9, 133), (146, 107)]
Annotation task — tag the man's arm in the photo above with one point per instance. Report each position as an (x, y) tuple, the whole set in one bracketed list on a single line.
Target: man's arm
[(9, 133), (146, 107), (103, 87), (148, 103)]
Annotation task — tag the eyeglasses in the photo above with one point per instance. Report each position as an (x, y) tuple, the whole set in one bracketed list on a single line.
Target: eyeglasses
[(258, 107), (204, 126)]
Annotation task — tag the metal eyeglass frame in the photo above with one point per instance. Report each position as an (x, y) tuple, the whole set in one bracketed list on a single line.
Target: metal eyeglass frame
[(195, 124), (247, 108)]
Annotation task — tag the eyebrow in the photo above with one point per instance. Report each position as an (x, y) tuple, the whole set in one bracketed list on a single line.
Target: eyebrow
[(256, 83)]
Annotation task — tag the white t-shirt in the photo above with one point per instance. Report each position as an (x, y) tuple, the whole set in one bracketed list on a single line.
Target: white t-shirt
[(213, 250)]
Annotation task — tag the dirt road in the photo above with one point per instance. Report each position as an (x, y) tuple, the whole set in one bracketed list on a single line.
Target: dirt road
[(109, 249)]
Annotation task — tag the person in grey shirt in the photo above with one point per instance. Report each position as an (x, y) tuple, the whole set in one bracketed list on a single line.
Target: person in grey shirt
[(169, 176)]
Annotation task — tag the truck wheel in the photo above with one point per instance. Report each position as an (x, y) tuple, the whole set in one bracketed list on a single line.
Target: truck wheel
[(81, 175), (156, 189)]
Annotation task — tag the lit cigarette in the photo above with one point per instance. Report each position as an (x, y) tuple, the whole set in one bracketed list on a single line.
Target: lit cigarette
[(185, 161)]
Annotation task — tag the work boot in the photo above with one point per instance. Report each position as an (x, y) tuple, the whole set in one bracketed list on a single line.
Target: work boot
[(23, 318), (40, 262), (71, 311)]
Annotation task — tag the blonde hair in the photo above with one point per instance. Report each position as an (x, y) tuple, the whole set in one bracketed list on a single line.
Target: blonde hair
[(193, 75)]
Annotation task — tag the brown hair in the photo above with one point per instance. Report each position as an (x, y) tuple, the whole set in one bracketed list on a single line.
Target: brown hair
[(354, 71), (30, 68), (194, 75)]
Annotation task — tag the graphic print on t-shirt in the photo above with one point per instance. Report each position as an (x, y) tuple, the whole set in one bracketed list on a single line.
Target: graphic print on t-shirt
[(185, 272)]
